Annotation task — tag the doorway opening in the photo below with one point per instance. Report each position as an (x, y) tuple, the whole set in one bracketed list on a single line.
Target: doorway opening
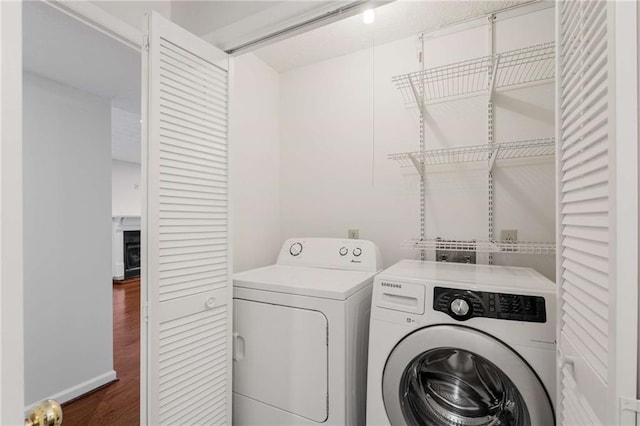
[(82, 211)]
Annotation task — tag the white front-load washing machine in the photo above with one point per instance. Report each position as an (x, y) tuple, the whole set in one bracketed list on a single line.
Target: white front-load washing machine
[(460, 344), (301, 330)]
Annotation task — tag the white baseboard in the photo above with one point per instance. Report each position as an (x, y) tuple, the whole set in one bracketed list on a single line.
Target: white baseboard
[(117, 270), (79, 389)]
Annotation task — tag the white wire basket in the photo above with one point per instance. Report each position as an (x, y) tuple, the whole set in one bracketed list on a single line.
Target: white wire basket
[(466, 154), (483, 246), (474, 76)]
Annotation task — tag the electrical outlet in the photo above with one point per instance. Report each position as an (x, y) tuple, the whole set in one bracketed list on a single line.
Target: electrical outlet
[(509, 235), (354, 234)]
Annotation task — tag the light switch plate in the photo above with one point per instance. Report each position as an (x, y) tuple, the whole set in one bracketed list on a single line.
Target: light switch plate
[(354, 234)]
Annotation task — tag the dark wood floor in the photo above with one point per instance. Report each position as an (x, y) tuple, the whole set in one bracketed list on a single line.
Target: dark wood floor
[(119, 402)]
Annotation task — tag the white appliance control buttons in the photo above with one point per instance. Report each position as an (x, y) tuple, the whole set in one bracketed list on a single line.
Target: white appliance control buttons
[(343, 251), (357, 251), (295, 249), (459, 307)]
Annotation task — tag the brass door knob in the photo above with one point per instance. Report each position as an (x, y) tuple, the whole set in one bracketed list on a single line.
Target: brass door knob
[(45, 413)]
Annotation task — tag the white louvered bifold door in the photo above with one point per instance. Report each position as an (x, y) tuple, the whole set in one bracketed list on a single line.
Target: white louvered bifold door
[(186, 343), (591, 365)]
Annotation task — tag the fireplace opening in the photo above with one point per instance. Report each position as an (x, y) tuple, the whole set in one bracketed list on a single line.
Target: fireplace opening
[(131, 240)]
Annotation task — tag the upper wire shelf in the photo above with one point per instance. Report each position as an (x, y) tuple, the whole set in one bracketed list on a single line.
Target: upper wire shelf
[(507, 69), (466, 154), (484, 246)]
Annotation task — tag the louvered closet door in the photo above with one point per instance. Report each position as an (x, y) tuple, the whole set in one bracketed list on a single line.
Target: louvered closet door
[(589, 338), (186, 343)]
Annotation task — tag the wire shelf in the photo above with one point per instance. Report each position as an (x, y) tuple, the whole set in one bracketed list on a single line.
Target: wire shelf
[(531, 64), (467, 154), (484, 246), (502, 70)]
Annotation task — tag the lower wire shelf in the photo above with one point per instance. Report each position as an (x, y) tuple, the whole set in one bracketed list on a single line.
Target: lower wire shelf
[(483, 246), (466, 154)]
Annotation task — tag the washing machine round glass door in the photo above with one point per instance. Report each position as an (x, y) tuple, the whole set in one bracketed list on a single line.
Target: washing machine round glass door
[(451, 375)]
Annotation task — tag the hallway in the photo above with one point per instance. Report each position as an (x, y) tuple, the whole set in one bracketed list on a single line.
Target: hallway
[(119, 402)]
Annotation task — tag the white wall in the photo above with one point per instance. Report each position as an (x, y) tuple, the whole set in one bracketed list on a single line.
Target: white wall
[(341, 118), (67, 241), (125, 188), (126, 132), (255, 163), (334, 174)]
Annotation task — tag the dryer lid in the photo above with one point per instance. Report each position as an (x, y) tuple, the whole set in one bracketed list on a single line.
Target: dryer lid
[(305, 281)]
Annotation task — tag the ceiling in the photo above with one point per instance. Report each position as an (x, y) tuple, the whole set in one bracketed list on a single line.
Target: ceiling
[(201, 17), (62, 48), (394, 21), (65, 50), (232, 24)]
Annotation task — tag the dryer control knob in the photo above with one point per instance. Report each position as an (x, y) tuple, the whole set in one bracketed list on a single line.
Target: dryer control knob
[(295, 249), (459, 307), (343, 251)]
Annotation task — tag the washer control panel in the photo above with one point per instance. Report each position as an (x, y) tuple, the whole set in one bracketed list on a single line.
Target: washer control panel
[(464, 304)]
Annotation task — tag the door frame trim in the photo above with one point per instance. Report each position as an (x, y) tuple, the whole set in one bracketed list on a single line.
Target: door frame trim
[(11, 218)]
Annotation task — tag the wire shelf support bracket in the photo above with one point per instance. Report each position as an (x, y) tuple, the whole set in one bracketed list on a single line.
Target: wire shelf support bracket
[(418, 97), (492, 158), (492, 80), (418, 164)]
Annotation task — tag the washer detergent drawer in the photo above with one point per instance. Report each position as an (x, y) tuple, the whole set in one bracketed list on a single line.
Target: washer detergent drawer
[(280, 357), (403, 297)]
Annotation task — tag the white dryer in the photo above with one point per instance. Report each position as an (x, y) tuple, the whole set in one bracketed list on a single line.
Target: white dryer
[(301, 331), (458, 344)]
